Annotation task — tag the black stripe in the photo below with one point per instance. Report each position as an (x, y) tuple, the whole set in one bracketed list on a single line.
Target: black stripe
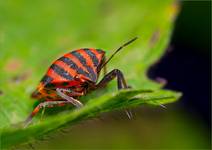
[(100, 51), (80, 57), (69, 62), (92, 74), (92, 56), (46, 79), (74, 66), (61, 72)]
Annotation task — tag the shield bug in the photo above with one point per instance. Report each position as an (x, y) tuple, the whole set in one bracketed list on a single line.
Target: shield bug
[(73, 75)]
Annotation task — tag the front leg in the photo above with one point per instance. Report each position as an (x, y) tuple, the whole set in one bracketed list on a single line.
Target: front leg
[(121, 83)]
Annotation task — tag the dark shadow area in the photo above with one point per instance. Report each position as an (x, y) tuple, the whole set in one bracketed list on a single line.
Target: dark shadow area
[(186, 65)]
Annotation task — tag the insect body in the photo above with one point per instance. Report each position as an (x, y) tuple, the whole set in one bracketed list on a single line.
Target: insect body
[(73, 75)]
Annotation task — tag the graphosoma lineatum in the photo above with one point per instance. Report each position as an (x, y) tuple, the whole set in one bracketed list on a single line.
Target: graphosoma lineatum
[(73, 75)]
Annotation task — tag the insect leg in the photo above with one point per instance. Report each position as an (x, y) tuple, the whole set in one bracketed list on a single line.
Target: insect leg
[(40, 106), (110, 76), (73, 93), (72, 100), (42, 113), (121, 82)]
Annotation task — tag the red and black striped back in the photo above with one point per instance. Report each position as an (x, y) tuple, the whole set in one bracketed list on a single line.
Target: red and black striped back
[(83, 62)]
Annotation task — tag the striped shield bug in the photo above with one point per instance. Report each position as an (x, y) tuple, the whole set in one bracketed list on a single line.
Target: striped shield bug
[(73, 75)]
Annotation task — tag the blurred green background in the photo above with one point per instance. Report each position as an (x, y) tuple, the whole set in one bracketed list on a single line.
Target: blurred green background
[(176, 127)]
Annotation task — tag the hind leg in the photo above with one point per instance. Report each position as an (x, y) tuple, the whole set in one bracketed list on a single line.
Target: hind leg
[(43, 105)]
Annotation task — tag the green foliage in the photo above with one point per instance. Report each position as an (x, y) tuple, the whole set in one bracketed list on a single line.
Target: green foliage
[(34, 34)]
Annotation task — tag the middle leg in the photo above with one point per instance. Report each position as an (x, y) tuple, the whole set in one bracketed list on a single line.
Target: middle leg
[(72, 100)]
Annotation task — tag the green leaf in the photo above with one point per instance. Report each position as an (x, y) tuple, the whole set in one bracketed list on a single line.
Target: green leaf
[(108, 102), (34, 34)]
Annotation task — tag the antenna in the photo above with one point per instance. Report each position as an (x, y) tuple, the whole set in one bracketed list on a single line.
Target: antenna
[(124, 45)]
